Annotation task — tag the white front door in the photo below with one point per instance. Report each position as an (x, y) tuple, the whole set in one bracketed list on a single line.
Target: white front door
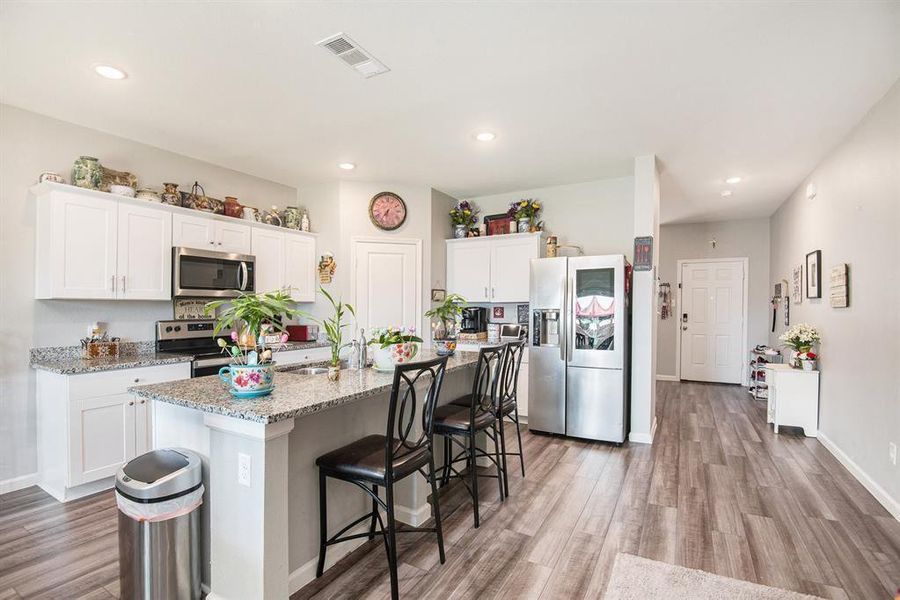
[(387, 283), (712, 321)]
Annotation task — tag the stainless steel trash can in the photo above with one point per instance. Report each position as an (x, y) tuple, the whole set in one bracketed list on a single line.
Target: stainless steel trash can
[(159, 495)]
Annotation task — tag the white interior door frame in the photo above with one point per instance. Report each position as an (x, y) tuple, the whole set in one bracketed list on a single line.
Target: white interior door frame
[(380, 240), (745, 374)]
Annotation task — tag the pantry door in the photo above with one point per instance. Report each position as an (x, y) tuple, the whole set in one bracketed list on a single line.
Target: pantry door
[(387, 285), (712, 320)]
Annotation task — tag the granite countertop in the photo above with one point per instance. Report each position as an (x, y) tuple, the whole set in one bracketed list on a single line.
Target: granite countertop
[(67, 360), (294, 395)]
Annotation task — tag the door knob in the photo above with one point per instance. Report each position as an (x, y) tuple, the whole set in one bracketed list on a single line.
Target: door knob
[(684, 327)]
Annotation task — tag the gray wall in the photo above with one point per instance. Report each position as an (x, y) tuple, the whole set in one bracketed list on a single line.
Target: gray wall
[(29, 144), (734, 239), (597, 215), (854, 219)]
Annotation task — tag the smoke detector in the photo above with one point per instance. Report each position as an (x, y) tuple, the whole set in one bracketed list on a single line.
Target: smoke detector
[(353, 55)]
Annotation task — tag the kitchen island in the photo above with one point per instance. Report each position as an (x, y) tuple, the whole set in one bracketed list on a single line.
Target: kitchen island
[(261, 505)]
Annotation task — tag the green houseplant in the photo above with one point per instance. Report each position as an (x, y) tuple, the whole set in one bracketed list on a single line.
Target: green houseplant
[(251, 319), (333, 327), (444, 318), (394, 345)]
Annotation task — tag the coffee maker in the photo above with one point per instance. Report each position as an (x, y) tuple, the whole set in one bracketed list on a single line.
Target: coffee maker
[(474, 319)]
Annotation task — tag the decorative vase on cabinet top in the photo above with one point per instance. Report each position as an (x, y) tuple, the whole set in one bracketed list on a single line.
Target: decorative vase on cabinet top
[(291, 217), (87, 172), (460, 231), (233, 208), (171, 194)]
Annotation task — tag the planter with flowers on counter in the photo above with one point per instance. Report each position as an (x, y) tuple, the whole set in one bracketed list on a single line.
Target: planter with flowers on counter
[(393, 346)]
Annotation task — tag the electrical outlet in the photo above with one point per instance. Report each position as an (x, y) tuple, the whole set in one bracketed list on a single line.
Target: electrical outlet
[(892, 453), (244, 469)]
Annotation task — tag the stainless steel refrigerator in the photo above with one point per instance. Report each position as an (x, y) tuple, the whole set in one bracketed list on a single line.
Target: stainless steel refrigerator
[(578, 357)]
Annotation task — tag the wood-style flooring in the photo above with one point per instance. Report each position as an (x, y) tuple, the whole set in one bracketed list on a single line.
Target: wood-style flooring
[(717, 491)]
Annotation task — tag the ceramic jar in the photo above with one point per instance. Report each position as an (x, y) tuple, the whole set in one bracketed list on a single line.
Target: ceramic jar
[(304, 222), (552, 246), (87, 172), (291, 217), (233, 208), (258, 379), (460, 231), (250, 214), (445, 347), (170, 194), (51, 177), (524, 225)]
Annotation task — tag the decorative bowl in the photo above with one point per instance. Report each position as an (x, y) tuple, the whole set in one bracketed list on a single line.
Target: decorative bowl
[(395, 354), (249, 378), (52, 177), (148, 194), (122, 190), (445, 347)]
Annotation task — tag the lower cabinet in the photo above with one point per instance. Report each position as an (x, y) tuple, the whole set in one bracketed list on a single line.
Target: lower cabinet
[(89, 425)]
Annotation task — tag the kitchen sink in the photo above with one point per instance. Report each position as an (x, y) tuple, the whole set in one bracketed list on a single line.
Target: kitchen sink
[(307, 370)]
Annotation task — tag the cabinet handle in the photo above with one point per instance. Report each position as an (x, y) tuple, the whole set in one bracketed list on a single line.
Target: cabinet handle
[(485, 292), (493, 293), (123, 284), (143, 401), (136, 379), (112, 286), (212, 243), (131, 403)]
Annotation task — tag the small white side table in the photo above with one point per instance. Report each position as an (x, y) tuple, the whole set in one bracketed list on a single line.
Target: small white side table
[(793, 398)]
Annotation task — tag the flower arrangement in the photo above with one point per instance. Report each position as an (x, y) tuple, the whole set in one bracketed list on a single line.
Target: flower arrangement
[(526, 211), (386, 336), (394, 345), (800, 337), (464, 214), (250, 317)]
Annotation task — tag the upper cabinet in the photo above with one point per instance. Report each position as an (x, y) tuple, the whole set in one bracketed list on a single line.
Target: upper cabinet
[(91, 247), (492, 269), (203, 233), (285, 259)]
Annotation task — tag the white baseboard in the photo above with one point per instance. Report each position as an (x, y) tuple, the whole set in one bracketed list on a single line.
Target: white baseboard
[(412, 517), (892, 505), (643, 438), (18, 483), (667, 377)]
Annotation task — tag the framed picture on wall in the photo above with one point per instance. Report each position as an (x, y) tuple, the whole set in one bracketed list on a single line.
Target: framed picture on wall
[(814, 274), (797, 285), (497, 224)]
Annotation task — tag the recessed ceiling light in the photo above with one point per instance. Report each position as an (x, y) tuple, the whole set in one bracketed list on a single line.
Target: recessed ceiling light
[(733, 180), (110, 72), (726, 193), (485, 136), (347, 166)]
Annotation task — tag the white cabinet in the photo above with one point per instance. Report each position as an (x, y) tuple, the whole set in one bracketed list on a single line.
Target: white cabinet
[(93, 247), (206, 233), (494, 269), (285, 260), (793, 398), (144, 258), (89, 425)]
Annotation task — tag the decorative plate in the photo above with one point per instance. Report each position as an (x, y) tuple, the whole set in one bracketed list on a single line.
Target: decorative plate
[(387, 211)]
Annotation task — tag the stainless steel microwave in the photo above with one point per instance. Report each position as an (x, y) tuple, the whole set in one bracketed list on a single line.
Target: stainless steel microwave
[(205, 274)]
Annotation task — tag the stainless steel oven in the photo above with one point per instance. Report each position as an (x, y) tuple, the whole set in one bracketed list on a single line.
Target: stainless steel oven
[(205, 274)]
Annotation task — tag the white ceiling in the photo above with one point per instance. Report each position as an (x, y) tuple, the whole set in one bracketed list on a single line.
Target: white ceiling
[(573, 90)]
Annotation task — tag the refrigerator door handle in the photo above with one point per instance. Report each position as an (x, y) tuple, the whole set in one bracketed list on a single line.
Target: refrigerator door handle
[(563, 334), (570, 319)]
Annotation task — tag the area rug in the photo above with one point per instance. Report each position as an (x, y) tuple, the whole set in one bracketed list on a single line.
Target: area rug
[(637, 578)]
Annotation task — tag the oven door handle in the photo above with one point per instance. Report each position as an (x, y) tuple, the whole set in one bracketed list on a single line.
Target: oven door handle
[(211, 362), (245, 276)]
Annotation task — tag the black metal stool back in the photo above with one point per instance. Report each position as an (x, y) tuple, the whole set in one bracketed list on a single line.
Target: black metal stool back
[(485, 388), (406, 402), (508, 406)]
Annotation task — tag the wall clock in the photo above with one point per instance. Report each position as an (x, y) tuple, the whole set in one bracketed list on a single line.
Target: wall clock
[(387, 211)]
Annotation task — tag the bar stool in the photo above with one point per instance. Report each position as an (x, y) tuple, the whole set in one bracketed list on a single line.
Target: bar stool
[(508, 405), (383, 460), (461, 420)]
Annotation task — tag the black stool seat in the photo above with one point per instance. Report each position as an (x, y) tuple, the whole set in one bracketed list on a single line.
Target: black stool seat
[(456, 417), (507, 407), (364, 459)]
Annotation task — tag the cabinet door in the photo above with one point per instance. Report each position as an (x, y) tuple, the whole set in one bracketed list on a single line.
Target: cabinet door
[(268, 247), (101, 436), (83, 247), (511, 268), (193, 232), (300, 266), (144, 253), (469, 269), (232, 237)]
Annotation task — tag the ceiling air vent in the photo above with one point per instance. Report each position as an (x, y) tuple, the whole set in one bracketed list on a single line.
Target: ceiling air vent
[(352, 54)]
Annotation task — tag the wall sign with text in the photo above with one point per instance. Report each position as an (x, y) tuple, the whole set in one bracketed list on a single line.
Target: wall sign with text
[(643, 253)]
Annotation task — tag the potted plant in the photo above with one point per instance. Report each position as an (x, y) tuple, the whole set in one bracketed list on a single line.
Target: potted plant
[(393, 346), (808, 360), (444, 321), (526, 212), (251, 372), (800, 338), (333, 327), (463, 216)]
